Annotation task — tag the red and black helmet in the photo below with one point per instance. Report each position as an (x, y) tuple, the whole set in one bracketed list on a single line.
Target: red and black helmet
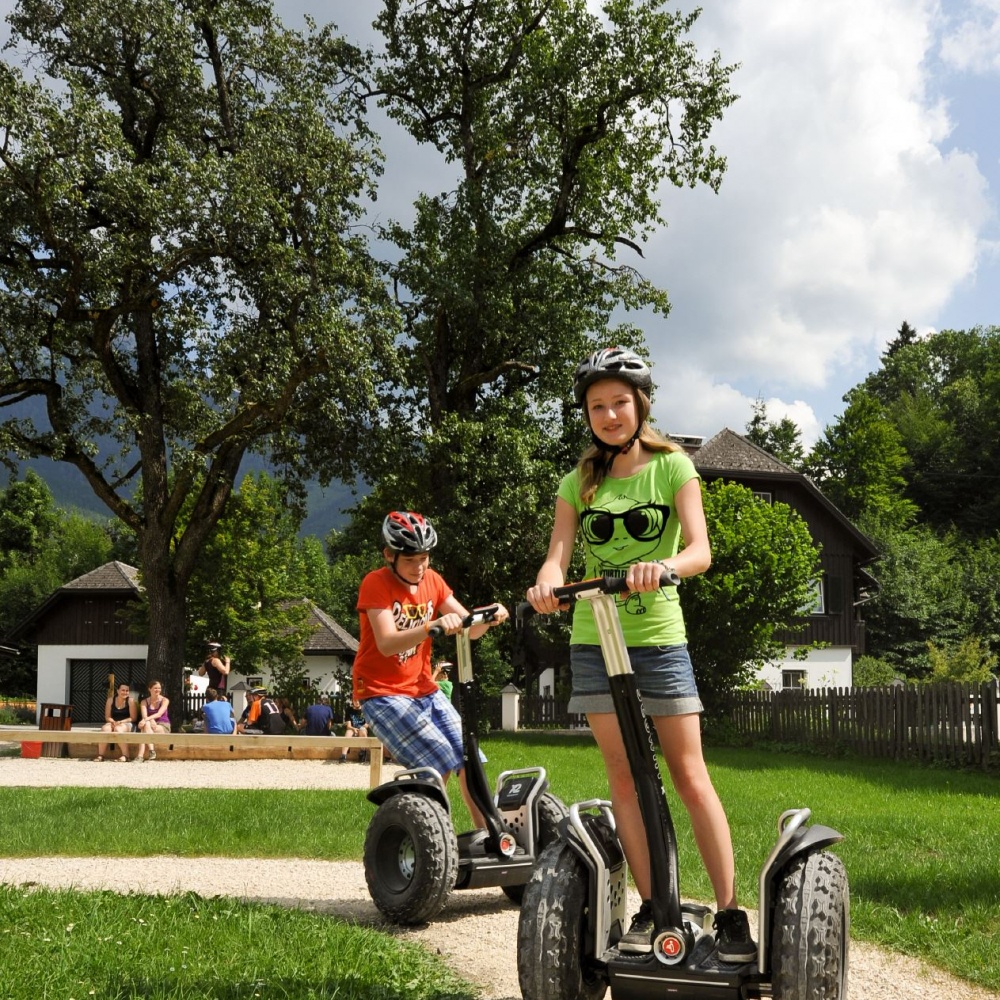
[(408, 533), (611, 362)]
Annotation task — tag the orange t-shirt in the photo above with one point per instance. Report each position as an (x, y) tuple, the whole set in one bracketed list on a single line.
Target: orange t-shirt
[(407, 673)]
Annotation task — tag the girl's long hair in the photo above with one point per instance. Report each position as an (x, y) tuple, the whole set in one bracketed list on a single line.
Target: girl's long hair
[(595, 462)]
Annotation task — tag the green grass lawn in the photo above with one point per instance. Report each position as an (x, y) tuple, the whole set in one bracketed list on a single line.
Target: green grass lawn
[(921, 844)]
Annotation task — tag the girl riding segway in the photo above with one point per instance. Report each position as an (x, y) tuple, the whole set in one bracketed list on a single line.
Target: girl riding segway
[(632, 498)]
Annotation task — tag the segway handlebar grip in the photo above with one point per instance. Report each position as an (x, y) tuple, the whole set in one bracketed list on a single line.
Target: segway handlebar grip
[(475, 617), (572, 592)]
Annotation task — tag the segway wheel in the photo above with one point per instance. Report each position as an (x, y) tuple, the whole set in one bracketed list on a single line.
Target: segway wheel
[(551, 812), (809, 937), (411, 858), (553, 962)]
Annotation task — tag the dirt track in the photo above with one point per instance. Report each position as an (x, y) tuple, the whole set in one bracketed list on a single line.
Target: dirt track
[(482, 952)]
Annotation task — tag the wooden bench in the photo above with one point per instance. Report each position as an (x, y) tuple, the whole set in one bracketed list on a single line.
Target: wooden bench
[(233, 746)]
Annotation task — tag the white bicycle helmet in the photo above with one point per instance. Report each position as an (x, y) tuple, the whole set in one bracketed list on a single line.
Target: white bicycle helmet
[(611, 362), (408, 533)]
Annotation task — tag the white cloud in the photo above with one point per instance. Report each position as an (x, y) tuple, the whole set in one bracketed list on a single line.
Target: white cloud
[(840, 215), (974, 43)]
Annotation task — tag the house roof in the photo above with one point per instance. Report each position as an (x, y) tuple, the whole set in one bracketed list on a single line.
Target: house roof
[(729, 451), (112, 576), (729, 455), (327, 636)]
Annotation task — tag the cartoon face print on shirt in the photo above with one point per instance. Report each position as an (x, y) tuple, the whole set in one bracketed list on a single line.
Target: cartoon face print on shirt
[(623, 532), (411, 614)]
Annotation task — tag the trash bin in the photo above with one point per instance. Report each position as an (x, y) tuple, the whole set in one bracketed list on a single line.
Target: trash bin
[(59, 718)]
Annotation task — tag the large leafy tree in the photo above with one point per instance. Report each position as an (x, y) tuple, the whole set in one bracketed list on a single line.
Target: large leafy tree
[(942, 395), (556, 128), (859, 462), (181, 279)]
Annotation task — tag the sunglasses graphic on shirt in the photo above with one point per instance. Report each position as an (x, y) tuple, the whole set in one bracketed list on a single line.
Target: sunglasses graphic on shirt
[(645, 523)]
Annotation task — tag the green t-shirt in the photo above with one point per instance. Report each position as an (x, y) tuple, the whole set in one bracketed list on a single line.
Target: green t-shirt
[(633, 520)]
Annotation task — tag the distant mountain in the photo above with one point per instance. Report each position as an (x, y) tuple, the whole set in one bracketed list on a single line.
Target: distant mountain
[(326, 507)]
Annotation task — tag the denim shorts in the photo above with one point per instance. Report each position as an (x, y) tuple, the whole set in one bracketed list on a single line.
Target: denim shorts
[(664, 674), (418, 732)]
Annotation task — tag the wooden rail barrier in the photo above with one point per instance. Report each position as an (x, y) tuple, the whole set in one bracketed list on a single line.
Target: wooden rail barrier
[(232, 742)]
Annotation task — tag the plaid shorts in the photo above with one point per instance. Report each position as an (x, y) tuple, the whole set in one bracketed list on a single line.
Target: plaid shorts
[(419, 732)]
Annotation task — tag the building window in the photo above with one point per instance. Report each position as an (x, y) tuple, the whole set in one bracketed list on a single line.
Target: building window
[(763, 496), (793, 680), (816, 605)]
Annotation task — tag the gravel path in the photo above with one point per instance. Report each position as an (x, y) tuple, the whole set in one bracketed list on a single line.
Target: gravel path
[(475, 934)]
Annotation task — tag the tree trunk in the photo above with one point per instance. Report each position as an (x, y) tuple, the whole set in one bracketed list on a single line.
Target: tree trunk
[(166, 596)]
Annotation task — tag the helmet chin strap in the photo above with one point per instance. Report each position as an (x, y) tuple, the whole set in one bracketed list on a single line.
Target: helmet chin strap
[(398, 575), (611, 452)]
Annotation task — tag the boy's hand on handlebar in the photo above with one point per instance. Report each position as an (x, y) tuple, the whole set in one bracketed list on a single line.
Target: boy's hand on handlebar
[(644, 577), (450, 624), (499, 616)]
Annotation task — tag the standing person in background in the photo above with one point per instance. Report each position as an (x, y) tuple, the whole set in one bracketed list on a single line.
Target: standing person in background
[(633, 496), (218, 714), (120, 714), (154, 718), (215, 667)]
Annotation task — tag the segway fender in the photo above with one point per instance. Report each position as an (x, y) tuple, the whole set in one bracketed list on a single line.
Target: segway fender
[(421, 782), (814, 838), (795, 840)]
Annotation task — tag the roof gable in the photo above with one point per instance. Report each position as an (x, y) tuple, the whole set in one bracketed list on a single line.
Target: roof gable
[(111, 576), (733, 452), (729, 455), (327, 636)]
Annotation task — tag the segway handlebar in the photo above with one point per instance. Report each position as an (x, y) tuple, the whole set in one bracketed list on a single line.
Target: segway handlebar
[(572, 592), (475, 617)]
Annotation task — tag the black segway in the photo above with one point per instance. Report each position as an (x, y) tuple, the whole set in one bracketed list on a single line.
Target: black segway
[(413, 859), (574, 908)]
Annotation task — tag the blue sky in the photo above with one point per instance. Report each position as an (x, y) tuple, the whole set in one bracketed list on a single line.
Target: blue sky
[(862, 190)]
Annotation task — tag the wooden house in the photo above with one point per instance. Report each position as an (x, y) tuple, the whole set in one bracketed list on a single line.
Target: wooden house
[(836, 618)]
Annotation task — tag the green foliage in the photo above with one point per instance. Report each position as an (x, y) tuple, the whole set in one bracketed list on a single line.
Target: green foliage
[(181, 278), (870, 671), (41, 548), (764, 566), (247, 591), (920, 597), (942, 395), (859, 462), (968, 662)]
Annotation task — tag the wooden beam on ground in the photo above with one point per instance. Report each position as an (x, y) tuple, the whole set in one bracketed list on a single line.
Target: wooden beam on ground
[(232, 742)]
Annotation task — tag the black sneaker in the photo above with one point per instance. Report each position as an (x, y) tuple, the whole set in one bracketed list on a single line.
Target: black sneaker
[(639, 940), (732, 936)]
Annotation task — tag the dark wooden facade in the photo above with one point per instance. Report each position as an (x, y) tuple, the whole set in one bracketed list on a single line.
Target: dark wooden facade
[(845, 551), (89, 610)]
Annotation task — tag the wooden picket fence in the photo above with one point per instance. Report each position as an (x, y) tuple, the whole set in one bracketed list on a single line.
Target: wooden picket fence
[(950, 723)]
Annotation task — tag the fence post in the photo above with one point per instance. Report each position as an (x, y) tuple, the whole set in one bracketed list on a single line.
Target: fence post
[(510, 708)]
